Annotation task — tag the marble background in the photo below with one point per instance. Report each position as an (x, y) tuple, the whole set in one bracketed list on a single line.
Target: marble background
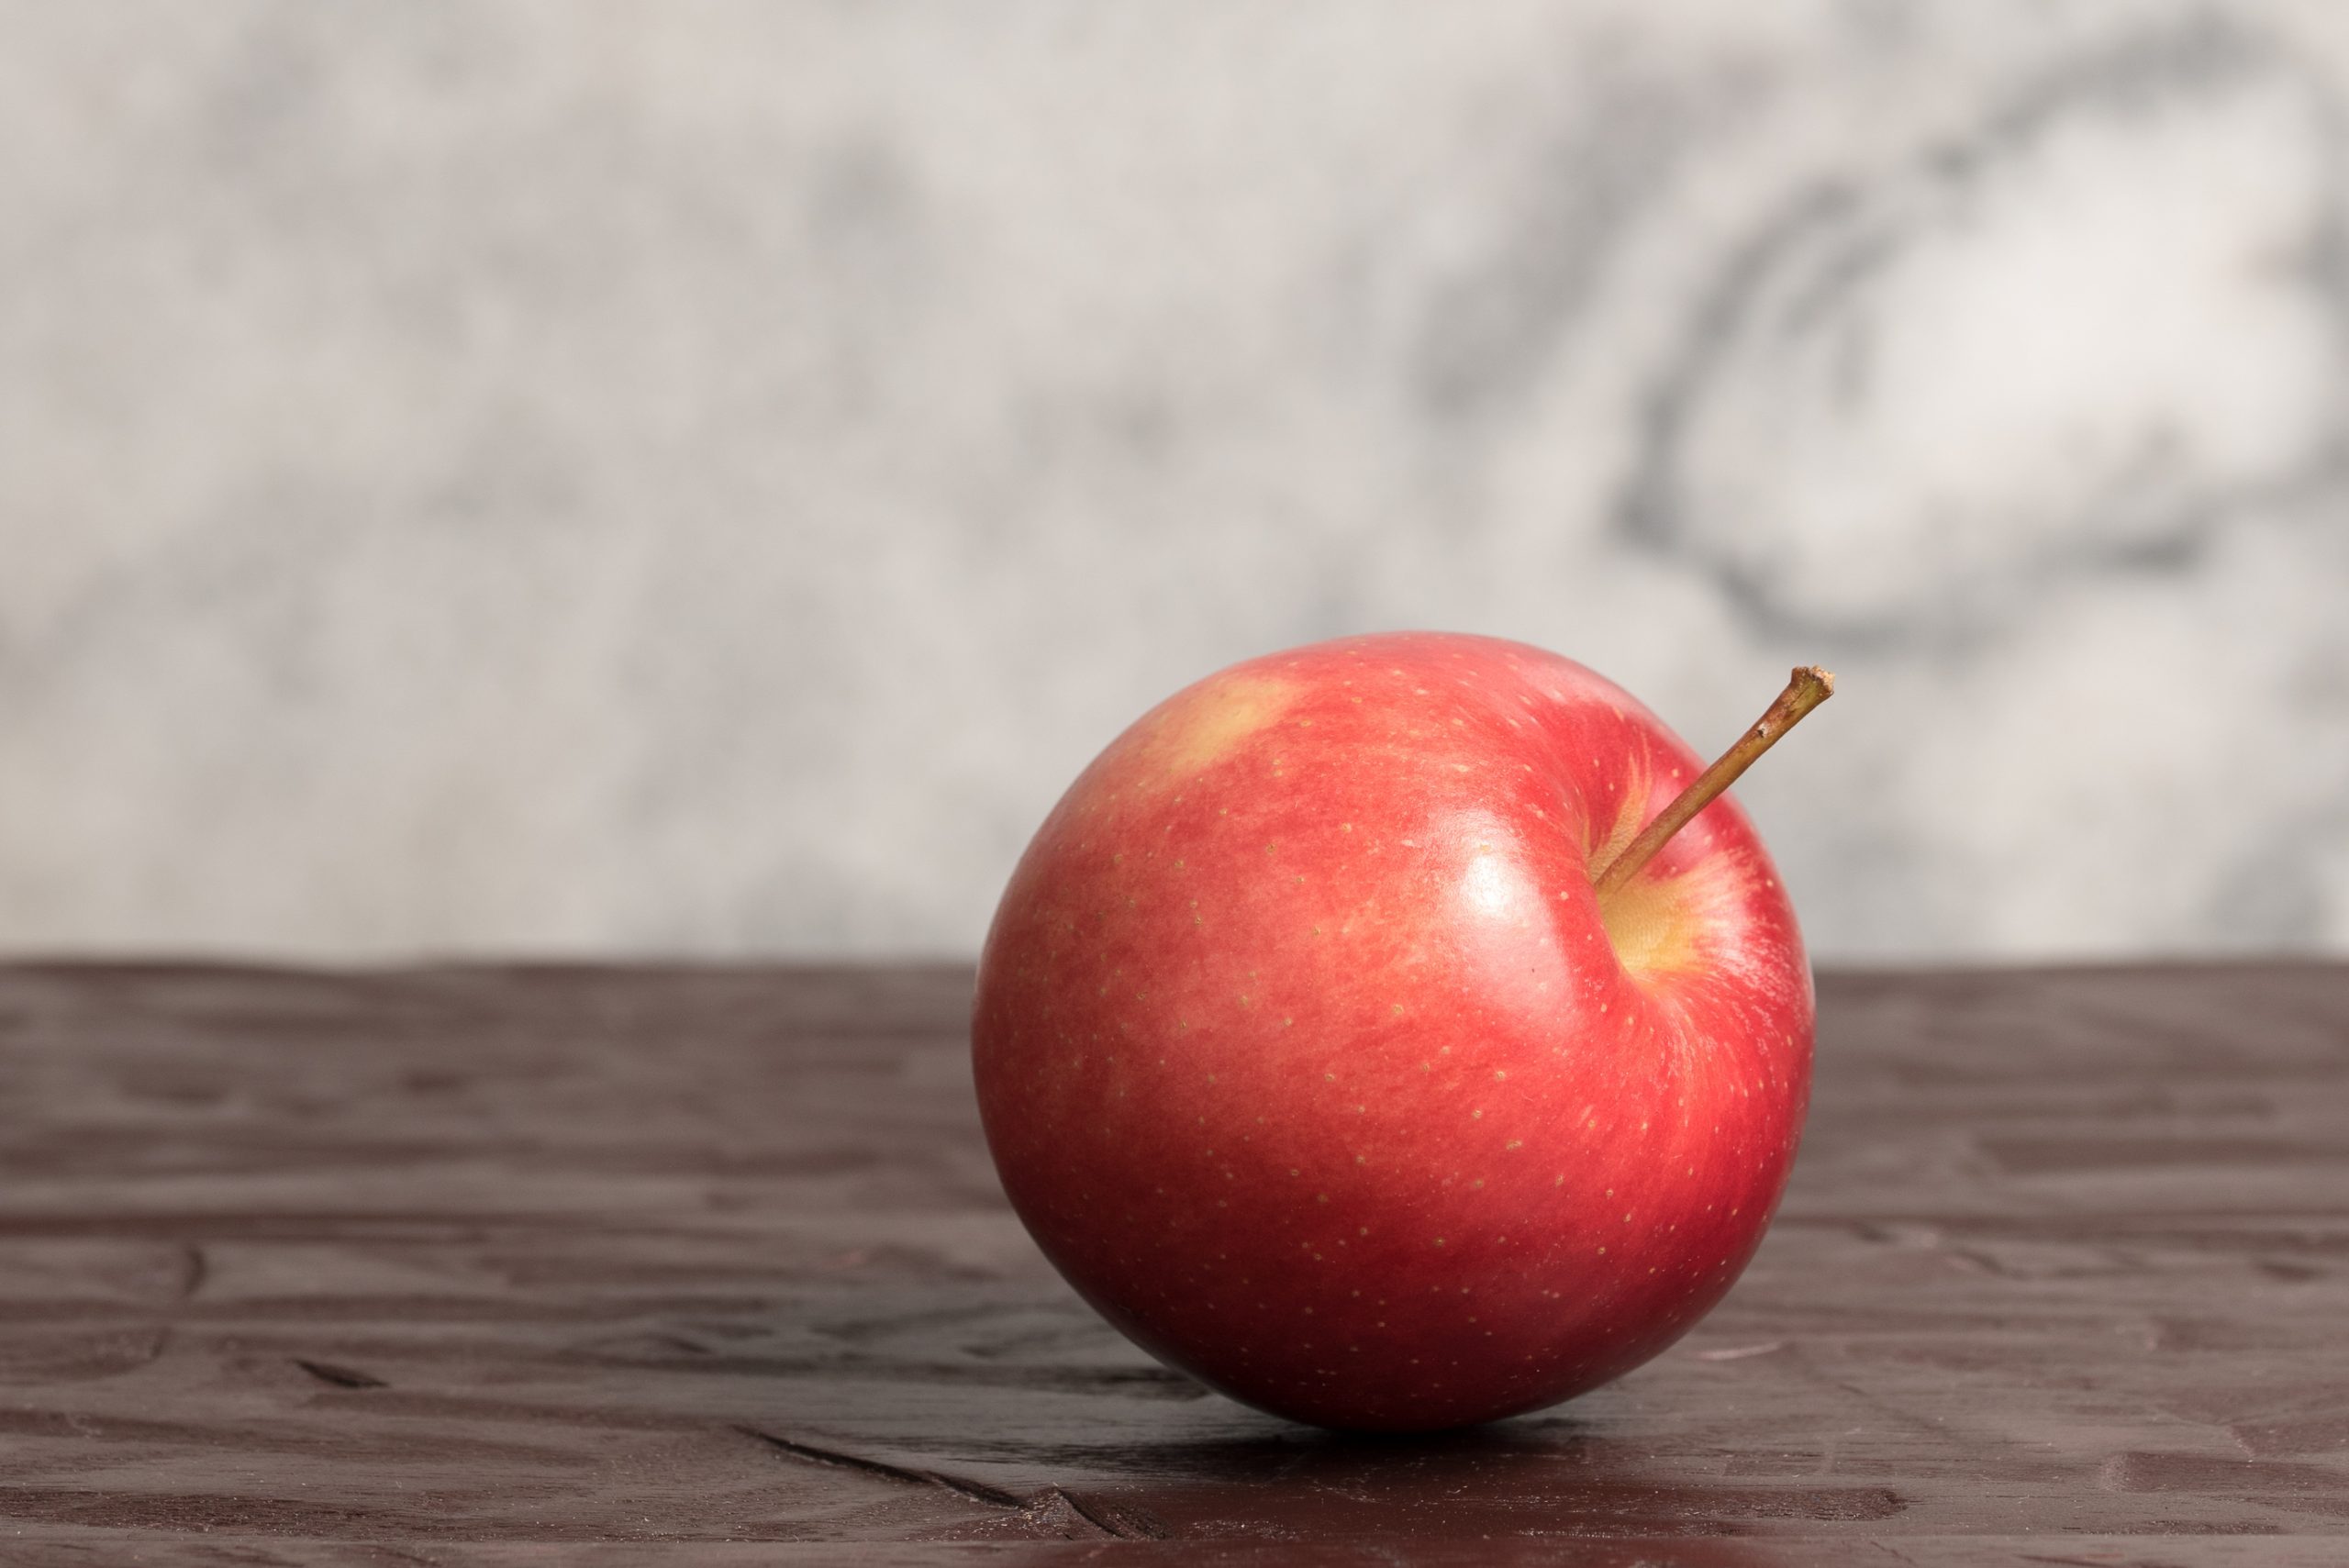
[(561, 477)]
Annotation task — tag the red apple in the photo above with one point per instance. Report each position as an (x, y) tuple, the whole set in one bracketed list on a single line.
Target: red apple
[(1310, 1054)]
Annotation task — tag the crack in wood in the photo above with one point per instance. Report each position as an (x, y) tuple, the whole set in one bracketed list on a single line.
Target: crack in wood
[(962, 1486), (1118, 1520), (339, 1376), (195, 1269)]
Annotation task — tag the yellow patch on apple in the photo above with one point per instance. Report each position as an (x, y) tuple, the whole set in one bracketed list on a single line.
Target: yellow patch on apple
[(1199, 727)]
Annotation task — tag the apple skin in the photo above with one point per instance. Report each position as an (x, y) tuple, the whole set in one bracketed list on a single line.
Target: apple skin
[(1308, 1054)]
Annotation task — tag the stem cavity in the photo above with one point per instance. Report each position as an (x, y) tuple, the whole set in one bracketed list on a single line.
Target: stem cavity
[(1809, 687)]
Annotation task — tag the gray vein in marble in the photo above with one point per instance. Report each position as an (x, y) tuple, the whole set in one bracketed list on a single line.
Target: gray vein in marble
[(1810, 271)]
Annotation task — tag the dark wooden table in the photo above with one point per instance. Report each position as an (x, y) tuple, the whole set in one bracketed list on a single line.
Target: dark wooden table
[(665, 1266)]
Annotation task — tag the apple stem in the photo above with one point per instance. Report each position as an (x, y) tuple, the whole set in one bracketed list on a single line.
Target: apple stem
[(1809, 687)]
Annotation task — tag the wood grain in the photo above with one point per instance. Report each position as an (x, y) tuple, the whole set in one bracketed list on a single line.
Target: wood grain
[(622, 1265)]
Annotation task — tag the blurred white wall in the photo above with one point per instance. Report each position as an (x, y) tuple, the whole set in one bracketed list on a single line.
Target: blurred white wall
[(570, 477)]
